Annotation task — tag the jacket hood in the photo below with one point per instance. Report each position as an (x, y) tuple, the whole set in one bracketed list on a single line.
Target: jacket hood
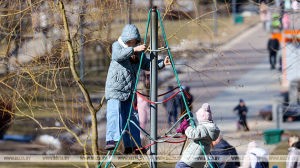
[(257, 151), (130, 32), (252, 145), (297, 145), (222, 145), (212, 129), (292, 148)]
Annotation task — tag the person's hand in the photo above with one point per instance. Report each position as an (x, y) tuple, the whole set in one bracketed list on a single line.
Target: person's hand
[(140, 48), (167, 61), (183, 126), (244, 112), (233, 111)]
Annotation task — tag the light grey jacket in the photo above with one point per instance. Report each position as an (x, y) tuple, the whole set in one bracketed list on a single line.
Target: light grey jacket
[(293, 160), (121, 75), (205, 132)]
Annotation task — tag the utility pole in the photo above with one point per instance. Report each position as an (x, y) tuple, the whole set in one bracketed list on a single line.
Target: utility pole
[(215, 18), (234, 11), (129, 17), (153, 85)]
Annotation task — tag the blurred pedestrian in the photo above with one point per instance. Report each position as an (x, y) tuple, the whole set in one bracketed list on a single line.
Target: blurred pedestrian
[(189, 102), (205, 132), (263, 13), (293, 160), (287, 4), (286, 21), (295, 6), (268, 21), (280, 61), (242, 112), (276, 22), (251, 157), (142, 105), (226, 151), (273, 47), (144, 113), (146, 81), (297, 145), (171, 105)]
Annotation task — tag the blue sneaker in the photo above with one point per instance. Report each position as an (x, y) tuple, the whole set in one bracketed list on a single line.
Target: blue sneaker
[(110, 145)]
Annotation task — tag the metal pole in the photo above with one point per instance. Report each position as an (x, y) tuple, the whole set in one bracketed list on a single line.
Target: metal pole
[(234, 11), (215, 18), (153, 85), (129, 11)]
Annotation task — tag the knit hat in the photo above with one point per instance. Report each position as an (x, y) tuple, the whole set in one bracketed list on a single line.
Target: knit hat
[(204, 113), (252, 145)]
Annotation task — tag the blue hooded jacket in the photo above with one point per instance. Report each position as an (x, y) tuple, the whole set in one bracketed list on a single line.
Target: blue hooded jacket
[(122, 73), (224, 148)]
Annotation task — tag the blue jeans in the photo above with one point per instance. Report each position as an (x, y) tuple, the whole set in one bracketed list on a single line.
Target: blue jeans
[(181, 164), (117, 115)]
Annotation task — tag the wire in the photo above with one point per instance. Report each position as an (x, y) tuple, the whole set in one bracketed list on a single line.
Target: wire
[(160, 94), (156, 143)]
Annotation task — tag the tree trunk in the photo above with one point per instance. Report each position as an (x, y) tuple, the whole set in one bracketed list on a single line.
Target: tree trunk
[(92, 110)]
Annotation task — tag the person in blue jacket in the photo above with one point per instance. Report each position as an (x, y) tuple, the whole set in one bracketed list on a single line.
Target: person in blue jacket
[(119, 87), (222, 148)]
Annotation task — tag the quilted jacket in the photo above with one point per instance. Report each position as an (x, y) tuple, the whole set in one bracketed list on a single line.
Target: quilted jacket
[(205, 132), (122, 73), (293, 158)]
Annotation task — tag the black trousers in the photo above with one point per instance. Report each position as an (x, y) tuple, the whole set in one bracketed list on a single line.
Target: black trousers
[(273, 59), (243, 122)]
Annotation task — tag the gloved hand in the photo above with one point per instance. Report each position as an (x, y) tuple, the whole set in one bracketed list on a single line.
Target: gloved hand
[(184, 125)]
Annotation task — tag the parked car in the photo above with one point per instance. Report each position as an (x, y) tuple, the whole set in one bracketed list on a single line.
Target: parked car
[(289, 111)]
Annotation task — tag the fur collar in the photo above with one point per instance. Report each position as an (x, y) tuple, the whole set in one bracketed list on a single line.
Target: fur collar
[(122, 43)]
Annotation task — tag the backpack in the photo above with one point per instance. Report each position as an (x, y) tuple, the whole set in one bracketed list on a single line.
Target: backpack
[(261, 163)]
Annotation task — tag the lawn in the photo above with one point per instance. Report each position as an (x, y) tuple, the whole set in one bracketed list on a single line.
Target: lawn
[(280, 150)]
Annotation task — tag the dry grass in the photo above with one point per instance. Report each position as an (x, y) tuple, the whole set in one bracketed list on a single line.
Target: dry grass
[(280, 150)]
